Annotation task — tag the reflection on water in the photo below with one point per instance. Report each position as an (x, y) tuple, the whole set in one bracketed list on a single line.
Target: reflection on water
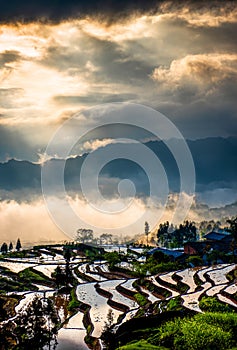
[(72, 335), (71, 339)]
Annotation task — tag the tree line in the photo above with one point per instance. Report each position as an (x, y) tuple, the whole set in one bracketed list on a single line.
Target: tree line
[(85, 235), (168, 234), (8, 248)]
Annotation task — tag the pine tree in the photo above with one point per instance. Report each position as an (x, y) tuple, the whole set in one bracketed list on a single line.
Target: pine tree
[(18, 245), (10, 247), (4, 248), (147, 229)]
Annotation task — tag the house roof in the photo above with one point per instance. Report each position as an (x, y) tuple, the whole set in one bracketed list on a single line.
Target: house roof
[(216, 236), (221, 245), (174, 253)]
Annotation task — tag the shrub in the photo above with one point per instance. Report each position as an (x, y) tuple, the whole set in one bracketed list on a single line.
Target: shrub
[(198, 335), (113, 258), (227, 321), (167, 333), (212, 331), (212, 304), (195, 260)]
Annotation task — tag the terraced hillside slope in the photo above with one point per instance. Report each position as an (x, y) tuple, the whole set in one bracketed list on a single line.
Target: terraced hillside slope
[(98, 299)]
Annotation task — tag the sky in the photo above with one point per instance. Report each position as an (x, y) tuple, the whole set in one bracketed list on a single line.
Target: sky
[(60, 59)]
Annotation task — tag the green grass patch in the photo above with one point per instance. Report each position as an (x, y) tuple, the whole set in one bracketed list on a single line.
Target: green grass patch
[(140, 299), (153, 267), (7, 285), (141, 345), (209, 331), (74, 303), (31, 275), (174, 304)]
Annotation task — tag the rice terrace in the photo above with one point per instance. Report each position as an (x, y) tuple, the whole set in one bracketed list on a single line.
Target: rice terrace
[(115, 297)]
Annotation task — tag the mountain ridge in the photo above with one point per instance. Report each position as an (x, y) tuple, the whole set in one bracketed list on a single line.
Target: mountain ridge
[(215, 161)]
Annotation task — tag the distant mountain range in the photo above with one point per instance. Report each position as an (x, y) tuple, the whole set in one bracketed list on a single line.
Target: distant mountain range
[(215, 161)]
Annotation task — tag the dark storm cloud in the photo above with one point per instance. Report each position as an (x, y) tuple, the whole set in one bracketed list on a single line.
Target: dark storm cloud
[(57, 10), (221, 38), (175, 60)]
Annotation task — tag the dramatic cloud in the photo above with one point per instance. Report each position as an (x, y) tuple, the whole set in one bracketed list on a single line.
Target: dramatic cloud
[(60, 10), (60, 59), (53, 70), (50, 71), (197, 13), (200, 77), (206, 71)]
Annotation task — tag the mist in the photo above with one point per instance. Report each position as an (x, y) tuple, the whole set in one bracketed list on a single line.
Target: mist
[(33, 224)]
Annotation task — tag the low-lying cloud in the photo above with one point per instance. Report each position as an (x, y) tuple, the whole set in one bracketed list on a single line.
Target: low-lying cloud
[(32, 223), (28, 221)]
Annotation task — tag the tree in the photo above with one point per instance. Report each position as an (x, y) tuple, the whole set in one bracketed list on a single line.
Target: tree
[(18, 245), (37, 325), (110, 320), (189, 231), (194, 260), (163, 234), (233, 228), (233, 231), (160, 257), (113, 259), (8, 339), (59, 277), (4, 248), (106, 238), (166, 234), (10, 247), (147, 230), (84, 235), (67, 257)]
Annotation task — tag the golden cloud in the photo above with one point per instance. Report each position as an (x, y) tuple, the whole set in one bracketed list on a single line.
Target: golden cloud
[(203, 69)]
